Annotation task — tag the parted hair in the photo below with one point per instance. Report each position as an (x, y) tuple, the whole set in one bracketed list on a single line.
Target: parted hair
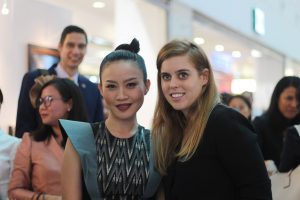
[(68, 91), (174, 135), (127, 52)]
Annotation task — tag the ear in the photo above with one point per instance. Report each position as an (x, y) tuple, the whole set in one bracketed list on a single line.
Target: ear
[(70, 105), (100, 88), (147, 86), (59, 47), (205, 76)]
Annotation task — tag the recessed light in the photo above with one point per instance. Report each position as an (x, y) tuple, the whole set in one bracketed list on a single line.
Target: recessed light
[(219, 47), (255, 53), (99, 4), (199, 40)]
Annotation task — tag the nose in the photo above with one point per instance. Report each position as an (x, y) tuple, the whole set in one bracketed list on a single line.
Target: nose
[(122, 94), (173, 83), (42, 106), (76, 50), (295, 103)]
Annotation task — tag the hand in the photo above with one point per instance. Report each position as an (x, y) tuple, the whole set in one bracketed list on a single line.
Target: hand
[(51, 197), (271, 167)]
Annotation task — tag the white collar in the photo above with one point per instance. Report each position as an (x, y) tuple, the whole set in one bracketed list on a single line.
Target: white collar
[(61, 73)]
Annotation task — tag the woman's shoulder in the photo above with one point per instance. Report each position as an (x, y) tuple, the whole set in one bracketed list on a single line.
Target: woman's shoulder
[(225, 118), (224, 113)]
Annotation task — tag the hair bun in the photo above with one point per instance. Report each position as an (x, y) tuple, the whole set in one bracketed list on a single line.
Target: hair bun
[(134, 46)]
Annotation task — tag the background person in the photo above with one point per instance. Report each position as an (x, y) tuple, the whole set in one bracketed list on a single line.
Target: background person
[(204, 149), (8, 147), (38, 162), (241, 104), (283, 112), (290, 155), (72, 49), (120, 164)]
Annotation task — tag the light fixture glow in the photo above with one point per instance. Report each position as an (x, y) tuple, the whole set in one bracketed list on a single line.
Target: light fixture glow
[(240, 85), (236, 54), (199, 40), (99, 4), (255, 53), (93, 79), (4, 10), (219, 47)]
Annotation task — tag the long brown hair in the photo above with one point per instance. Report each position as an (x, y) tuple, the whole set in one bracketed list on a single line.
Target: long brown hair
[(175, 136)]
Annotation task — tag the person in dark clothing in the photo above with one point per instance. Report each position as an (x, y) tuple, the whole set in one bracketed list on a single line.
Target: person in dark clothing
[(72, 48), (282, 113), (204, 149), (290, 156)]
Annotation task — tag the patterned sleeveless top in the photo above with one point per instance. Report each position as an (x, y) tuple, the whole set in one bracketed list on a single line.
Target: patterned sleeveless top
[(123, 164)]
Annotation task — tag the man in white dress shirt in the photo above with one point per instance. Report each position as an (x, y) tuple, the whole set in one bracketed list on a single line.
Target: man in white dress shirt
[(8, 147)]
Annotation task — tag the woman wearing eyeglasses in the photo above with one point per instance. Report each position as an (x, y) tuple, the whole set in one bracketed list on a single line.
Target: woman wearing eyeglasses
[(38, 162)]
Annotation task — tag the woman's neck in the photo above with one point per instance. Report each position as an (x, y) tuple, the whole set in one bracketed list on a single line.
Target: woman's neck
[(121, 128), (57, 132)]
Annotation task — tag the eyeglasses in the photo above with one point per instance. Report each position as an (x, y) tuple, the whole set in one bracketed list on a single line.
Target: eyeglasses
[(46, 101)]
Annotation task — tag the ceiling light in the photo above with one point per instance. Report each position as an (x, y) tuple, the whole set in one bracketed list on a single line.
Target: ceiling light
[(99, 4), (236, 54), (219, 47), (199, 40), (4, 10), (255, 53)]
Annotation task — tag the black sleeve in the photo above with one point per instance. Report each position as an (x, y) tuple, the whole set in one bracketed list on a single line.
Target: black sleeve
[(258, 129), (290, 156), (241, 157), (27, 117)]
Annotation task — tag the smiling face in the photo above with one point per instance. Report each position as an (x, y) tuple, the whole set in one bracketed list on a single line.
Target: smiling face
[(53, 110), (288, 103), (123, 89), (181, 83), (72, 50)]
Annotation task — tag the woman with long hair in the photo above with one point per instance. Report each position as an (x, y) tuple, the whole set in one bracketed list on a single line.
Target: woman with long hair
[(203, 149), (283, 112)]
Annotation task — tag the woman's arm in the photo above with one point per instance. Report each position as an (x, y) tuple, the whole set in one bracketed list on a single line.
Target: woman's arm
[(20, 182), (71, 174)]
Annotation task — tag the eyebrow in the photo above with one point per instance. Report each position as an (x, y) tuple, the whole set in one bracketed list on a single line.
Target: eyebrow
[(178, 71), (127, 80)]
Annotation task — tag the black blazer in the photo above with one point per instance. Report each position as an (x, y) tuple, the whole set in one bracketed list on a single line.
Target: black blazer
[(28, 118), (290, 156)]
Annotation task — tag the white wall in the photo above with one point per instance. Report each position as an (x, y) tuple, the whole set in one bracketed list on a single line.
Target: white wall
[(29, 21)]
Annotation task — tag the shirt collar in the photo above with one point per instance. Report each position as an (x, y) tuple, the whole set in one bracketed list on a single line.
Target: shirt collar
[(61, 73)]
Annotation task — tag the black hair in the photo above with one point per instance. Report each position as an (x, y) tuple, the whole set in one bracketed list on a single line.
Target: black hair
[(68, 90), (126, 52), (72, 29), (276, 118), (1, 97), (224, 97)]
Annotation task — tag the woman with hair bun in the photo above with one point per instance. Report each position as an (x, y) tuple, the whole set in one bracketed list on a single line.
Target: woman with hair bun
[(112, 159)]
